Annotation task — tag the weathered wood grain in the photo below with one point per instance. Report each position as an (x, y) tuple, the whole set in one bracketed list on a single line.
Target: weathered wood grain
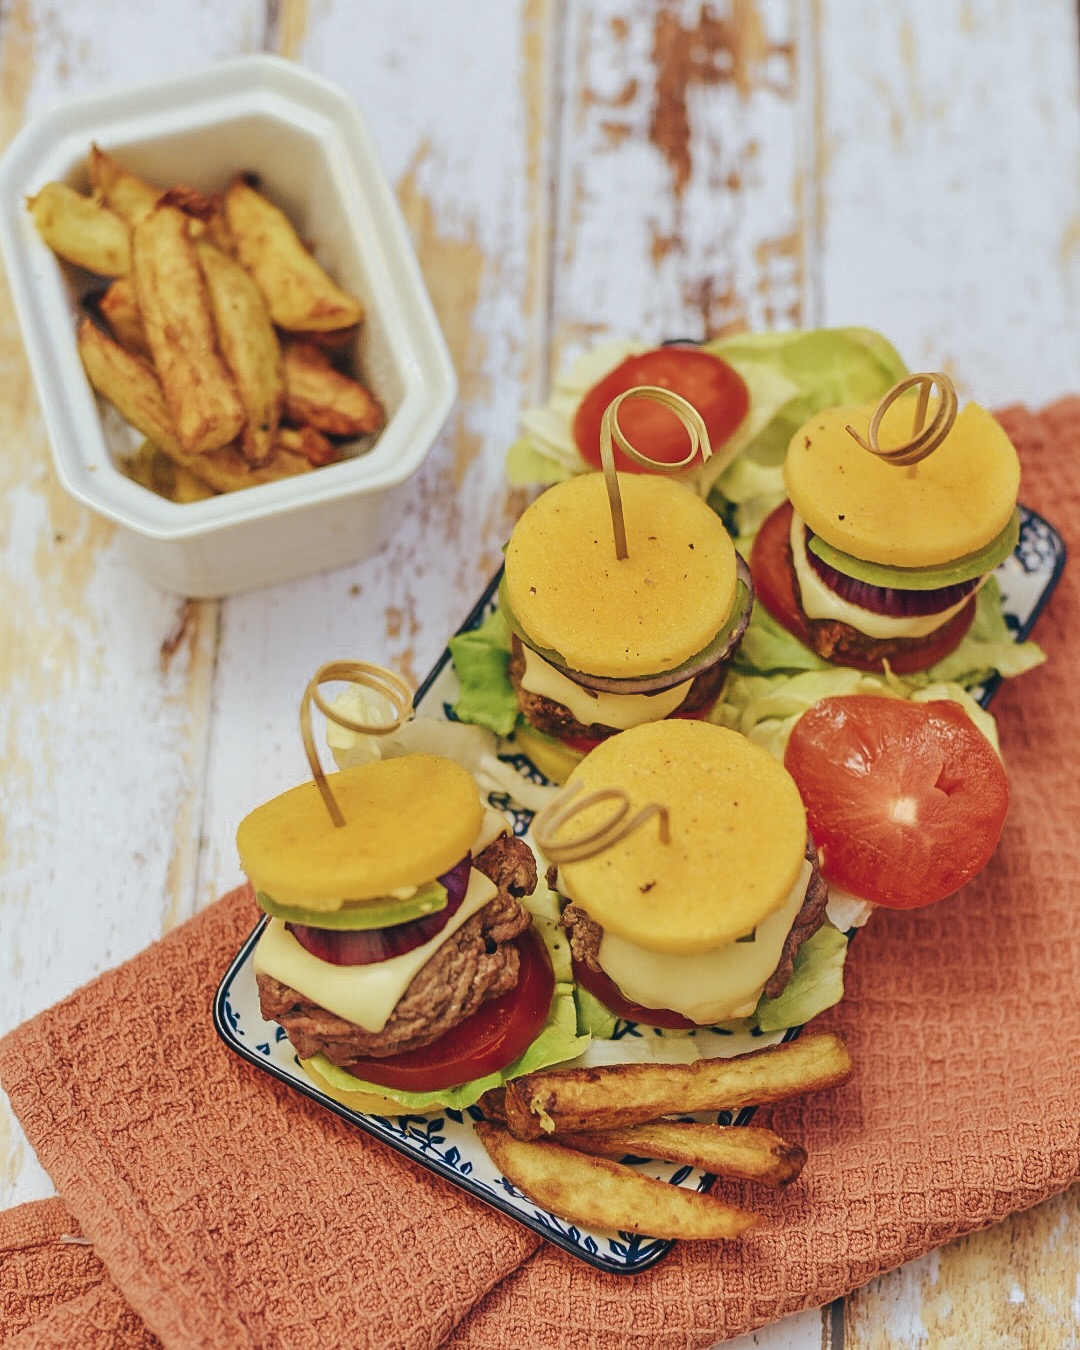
[(569, 170)]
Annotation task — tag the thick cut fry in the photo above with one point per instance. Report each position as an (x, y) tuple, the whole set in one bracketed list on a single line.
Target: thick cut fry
[(133, 388), (199, 390), (606, 1194), (153, 469), (121, 190), (120, 310), (318, 395), (82, 230), (560, 1102), (312, 444), (749, 1152), (300, 293), (250, 347)]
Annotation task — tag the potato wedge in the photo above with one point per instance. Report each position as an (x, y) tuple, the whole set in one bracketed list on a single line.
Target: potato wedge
[(301, 294), (153, 469), (121, 190), (199, 390), (749, 1152), (82, 230), (606, 1194), (120, 310), (132, 387), (316, 448), (559, 1102), (319, 395), (250, 347)]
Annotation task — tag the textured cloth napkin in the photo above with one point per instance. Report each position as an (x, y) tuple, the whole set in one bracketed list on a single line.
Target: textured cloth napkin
[(223, 1209)]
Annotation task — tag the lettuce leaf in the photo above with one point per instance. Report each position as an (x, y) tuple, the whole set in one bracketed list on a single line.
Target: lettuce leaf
[(817, 983), (480, 658)]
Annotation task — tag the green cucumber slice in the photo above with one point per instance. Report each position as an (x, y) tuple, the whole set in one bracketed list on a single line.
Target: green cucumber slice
[(362, 914), (970, 565)]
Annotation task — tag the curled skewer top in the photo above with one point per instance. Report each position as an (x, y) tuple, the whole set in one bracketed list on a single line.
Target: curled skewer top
[(610, 432), (925, 437), (548, 822), (377, 678)]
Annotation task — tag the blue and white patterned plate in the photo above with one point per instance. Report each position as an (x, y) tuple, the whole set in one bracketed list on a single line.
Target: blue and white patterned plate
[(445, 1141)]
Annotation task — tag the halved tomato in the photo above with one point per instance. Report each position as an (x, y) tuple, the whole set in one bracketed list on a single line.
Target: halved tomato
[(714, 388), (905, 801), (493, 1037), (606, 990)]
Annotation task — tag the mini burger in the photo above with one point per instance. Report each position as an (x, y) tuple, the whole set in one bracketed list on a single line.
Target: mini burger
[(871, 561), (600, 643), (398, 956), (718, 922)]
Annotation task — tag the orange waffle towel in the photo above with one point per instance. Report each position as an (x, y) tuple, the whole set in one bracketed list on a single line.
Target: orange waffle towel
[(226, 1210)]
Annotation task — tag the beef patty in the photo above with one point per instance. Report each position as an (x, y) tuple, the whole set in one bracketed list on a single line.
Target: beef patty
[(546, 715), (477, 963), (585, 934)]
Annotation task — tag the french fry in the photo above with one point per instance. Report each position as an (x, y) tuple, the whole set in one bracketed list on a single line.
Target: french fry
[(567, 1101), (318, 395), (172, 293), (82, 230), (121, 190), (605, 1194), (153, 469), (302, 296), (749, 1152), (133, 388), (120, 310), (316, 448), (249, 346)]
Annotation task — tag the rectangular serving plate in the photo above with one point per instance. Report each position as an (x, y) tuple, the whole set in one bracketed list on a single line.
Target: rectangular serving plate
[(444, 1141)]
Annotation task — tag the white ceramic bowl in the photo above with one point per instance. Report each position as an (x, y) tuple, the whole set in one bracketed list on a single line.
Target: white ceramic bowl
[(308, 144)]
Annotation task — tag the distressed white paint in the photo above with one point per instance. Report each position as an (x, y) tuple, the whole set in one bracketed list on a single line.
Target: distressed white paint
[(910, 166)]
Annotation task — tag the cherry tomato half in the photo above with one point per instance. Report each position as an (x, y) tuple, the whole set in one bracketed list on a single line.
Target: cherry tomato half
[(493, 1037), (774, 587), (906, 801), (607, 991), (711, 385)]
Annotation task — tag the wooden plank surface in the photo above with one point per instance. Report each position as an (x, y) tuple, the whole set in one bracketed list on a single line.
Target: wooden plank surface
[(569, 171)]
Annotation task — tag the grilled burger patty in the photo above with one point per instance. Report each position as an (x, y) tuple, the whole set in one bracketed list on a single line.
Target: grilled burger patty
[(557, 720), (585, 934), (477, 963)]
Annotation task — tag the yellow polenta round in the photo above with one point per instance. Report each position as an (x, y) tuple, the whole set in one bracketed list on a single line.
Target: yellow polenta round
[(638, 615), (738, 837), (948, 505), (407, 821)]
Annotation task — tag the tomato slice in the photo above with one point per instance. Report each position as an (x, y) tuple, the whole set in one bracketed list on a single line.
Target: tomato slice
[(905, 801), (493, 1037), (606, 990), (715, 389), (774, 587), (774, 580)]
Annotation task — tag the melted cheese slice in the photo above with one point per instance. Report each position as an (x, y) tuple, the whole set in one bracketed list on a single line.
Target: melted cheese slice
[(819, 602), (620, 711), (714, 986), (366, 995)]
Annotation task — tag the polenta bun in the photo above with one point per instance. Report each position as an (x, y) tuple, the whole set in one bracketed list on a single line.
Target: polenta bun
[(398, 957), (602, 643), (870, 561), (696, 930)]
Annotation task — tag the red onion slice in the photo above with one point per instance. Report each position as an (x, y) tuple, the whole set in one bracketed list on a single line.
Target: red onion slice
[(365, 946), (889, 600)]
